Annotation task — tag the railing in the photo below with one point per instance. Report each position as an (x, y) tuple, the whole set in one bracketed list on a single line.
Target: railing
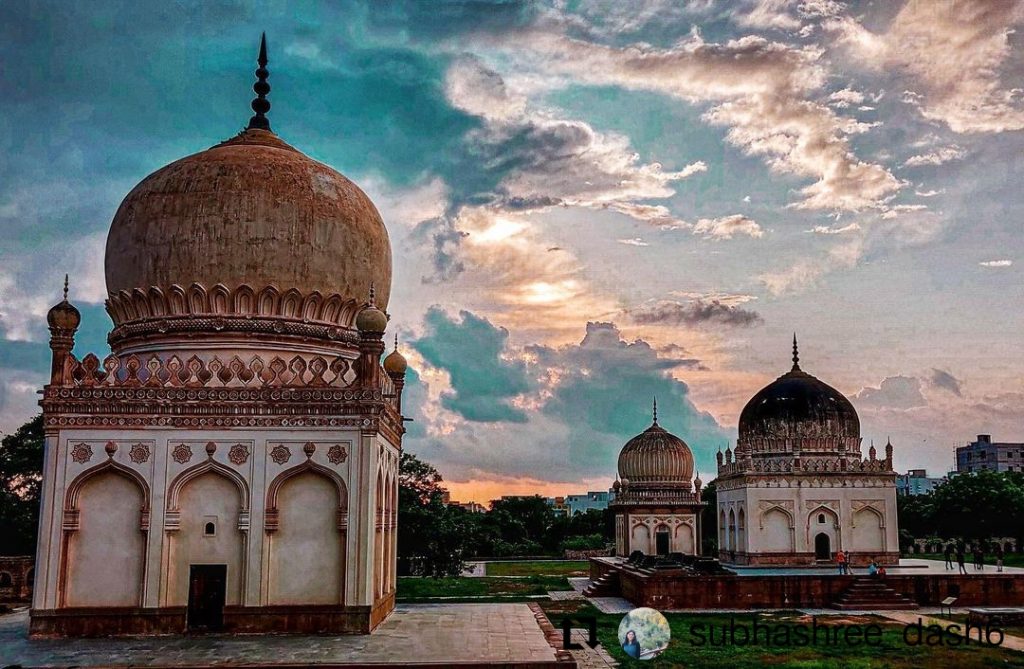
[(154, 371)]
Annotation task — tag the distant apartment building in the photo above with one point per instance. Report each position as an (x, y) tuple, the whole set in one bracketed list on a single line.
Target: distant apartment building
[(985, 454), (594, 499), (916, 482), (558, 505)]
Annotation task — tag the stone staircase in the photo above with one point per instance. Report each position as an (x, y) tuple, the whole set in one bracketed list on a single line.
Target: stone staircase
[(604, 586), (868, 593)]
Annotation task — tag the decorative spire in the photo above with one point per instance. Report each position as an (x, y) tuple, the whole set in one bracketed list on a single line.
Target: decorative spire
[(396, 341), (65, 287), (796, 355), (373, 295), (655, 409), (260, 104)]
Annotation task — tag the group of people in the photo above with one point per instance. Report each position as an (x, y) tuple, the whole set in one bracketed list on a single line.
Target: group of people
[(844, 559), (977, 554)]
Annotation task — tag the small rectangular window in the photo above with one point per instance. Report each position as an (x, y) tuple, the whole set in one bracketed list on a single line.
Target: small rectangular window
[(210, 526)]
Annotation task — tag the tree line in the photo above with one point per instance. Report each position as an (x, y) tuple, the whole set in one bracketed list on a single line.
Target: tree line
[(973, 508)]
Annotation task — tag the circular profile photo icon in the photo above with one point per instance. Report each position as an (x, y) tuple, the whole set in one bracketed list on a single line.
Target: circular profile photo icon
[(644, 634)]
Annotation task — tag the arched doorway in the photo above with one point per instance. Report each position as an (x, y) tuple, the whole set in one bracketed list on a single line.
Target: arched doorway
[(822, 547), (661, 540)]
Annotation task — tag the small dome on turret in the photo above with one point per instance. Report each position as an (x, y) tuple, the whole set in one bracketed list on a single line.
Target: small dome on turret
[(395, 362), (370, 318), (64, 315)]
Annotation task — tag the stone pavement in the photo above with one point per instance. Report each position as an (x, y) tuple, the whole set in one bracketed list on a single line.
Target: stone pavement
[(447, 634)]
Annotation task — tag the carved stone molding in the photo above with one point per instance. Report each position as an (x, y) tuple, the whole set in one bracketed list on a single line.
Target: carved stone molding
[(182, 453), (337, 454), (81, 453), (139, 453), (244, 301), (238, 454)]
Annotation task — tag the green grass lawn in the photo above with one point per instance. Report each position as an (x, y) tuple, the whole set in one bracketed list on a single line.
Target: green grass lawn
[(459, 588), (539, 568), (892, 653)]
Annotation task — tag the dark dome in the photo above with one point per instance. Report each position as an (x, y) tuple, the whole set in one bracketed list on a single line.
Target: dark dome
[(798, 405), (655, 456)]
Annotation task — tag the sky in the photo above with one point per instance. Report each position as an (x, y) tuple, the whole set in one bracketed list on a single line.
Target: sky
[(590, 203)]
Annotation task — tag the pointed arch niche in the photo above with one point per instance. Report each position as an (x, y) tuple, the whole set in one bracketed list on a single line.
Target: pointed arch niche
[(103, 549), (306, 524)]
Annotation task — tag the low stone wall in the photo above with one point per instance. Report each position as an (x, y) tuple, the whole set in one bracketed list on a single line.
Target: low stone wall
[(16, 578), (675, 590), (587, 554)]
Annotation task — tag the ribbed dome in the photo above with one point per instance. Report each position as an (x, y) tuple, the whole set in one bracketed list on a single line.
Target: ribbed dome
[(656, 456), (798, 405), (250, 211)]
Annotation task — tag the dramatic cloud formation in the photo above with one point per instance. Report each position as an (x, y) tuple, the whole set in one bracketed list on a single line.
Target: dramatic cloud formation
[(471, 350), (972, 34), (940, 378), (696, 312), (761, 92), (895, 392)]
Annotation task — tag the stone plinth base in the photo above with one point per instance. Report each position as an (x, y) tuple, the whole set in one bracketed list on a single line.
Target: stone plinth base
[(675, 589), (803, 559), (318, 619)]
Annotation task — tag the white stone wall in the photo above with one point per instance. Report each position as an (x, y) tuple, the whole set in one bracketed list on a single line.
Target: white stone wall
[(859, 515), (643, 529), (110, 548)]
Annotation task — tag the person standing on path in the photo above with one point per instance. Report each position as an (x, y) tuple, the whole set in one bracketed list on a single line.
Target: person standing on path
[(841, 561), (949, 556), (960, 560)]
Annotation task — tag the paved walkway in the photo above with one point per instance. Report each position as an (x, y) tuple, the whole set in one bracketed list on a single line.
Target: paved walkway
[(911, 617), (447, 634)]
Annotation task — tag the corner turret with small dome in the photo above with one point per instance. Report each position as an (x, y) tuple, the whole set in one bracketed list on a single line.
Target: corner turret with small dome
[(244, 418)]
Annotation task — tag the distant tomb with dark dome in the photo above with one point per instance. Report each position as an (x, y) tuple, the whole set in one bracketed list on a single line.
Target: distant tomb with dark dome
[(657, 500), (797, 489)]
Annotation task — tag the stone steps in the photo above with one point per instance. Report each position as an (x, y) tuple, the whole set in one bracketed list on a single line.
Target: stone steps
[(871, 593), (604, 586)]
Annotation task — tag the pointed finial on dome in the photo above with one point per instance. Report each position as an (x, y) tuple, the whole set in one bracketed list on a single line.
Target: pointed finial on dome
[(655, 409), (373, 295), (396, 341), (261, 105), (796, 355), (65, 287)]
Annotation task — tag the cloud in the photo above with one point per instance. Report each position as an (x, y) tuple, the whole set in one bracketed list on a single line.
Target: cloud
[(635, 241), (760, 90), (845, 98), (940, 378), (727, 226), (695, 312), (954, 51), (894, 392), (806, 273), (474, 354), (939, 156), (582, 402), (996, 263), (830, 230)]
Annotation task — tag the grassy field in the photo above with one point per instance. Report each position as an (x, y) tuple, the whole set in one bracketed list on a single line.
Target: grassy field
[(417, 589), (539, 568), (892, 653)]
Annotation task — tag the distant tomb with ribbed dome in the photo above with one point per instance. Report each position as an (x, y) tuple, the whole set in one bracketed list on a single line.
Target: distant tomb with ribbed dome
[(233, 464), (798, 490), (657, 501)]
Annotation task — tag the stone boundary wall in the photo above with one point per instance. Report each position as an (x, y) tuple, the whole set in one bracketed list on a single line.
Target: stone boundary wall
[(587, 554), (663, 590)]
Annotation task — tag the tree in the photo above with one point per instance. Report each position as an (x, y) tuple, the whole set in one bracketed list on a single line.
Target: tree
[(431, 535), (980, 505), (21, 476)]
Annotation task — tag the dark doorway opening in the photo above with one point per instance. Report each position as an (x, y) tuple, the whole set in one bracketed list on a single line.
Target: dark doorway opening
[(207, 587), (661, 542), (822, 547)]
